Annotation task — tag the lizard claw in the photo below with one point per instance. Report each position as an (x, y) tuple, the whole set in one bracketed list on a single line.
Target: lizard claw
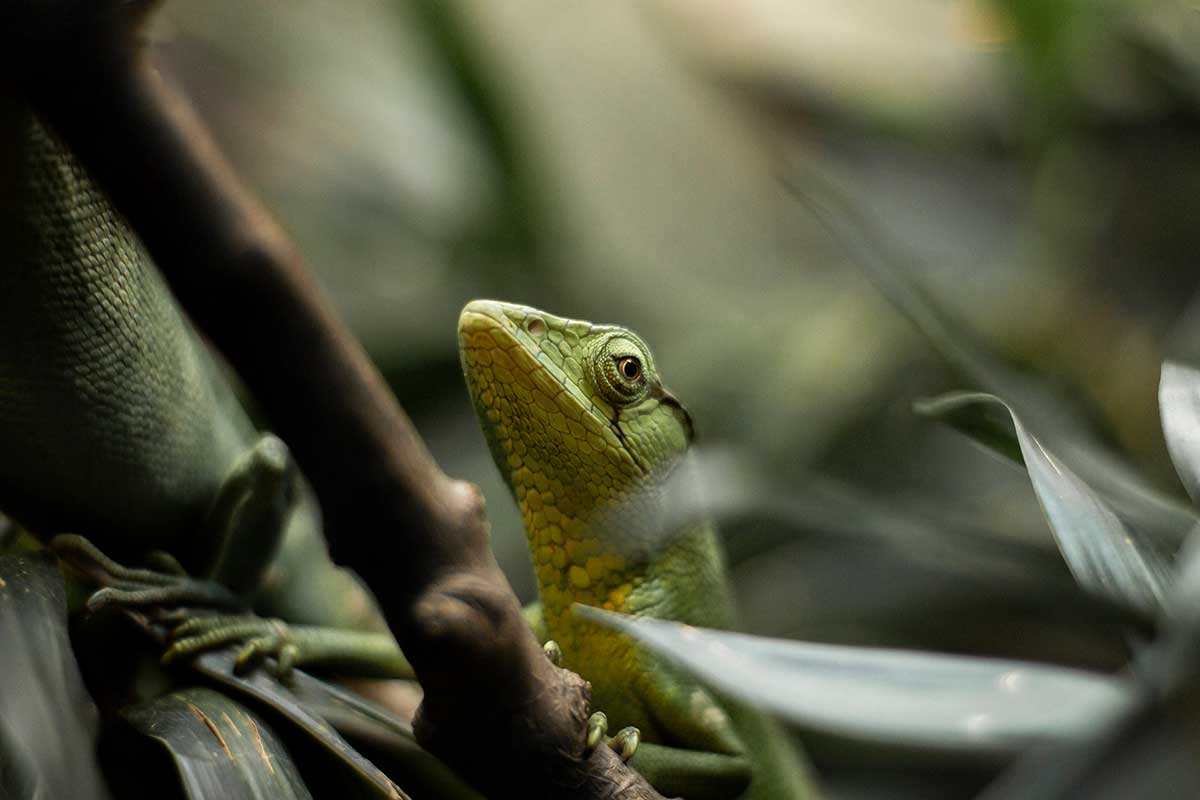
[(625, 742), (185, 591), (596, 728), (277, 643), (139, 588), (263, 638)]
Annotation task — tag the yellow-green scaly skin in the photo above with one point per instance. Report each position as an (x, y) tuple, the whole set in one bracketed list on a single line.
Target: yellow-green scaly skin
[(587, 452)]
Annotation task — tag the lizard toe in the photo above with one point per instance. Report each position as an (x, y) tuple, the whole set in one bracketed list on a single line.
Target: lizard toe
[(553, 652), (597, 727), (626, 742)]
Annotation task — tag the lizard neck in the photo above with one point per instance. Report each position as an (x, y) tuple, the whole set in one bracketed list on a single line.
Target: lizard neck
[(620, 555)]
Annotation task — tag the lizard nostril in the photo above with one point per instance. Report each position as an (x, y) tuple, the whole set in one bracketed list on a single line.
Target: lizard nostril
[(536, 325)]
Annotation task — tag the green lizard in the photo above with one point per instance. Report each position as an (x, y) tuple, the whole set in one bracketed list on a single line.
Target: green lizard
[(586, 436), (116, 423), (107, 391)]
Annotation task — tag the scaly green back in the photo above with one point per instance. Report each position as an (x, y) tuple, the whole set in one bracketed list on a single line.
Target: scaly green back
[(112, 419), (587, 437)]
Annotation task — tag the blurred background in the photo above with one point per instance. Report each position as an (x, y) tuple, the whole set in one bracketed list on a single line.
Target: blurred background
[(1034, 164)]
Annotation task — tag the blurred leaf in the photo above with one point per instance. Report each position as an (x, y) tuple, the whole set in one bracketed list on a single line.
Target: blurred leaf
[(955, 702), (219, 748), (1102, 553), (1150, 750), (869, 570), (1179, 406), (876, 255), (1150, 753), (317, 708), (1056, 421), (983, 423), (857, 592), (47, 720), (291, 706), (716, 483), (262, 687), (390, 738), (477, 88)]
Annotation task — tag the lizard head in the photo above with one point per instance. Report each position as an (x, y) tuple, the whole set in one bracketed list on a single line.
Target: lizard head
[(576, 416)]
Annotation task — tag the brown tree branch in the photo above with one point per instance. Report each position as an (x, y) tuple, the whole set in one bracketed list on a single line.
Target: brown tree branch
[(495, 708)]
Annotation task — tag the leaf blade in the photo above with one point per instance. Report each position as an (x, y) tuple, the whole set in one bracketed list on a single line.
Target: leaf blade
[(946, 701), (1179, 409), (884, 263), (48, 724), (218, 747), (1103, 554)]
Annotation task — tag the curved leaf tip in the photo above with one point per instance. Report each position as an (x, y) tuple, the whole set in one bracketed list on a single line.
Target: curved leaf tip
[(1103, 554), (1179, 409)]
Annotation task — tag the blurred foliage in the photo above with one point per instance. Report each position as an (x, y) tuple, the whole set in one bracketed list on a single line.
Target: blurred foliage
[(621, 163), (1033, 164), (48, 725)]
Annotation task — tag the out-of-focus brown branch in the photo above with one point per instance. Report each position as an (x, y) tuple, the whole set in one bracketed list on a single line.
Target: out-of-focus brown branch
[(495, 708)]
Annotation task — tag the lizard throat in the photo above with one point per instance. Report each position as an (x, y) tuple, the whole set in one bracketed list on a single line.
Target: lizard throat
[(574, 565)]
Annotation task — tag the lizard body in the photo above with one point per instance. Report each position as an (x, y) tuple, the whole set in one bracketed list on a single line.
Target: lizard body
[(587, 437), (117, 423)]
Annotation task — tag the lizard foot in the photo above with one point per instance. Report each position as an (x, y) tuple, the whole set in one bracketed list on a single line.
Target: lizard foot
[(553, 652), (139, 588), (625, 742), (263, 638)]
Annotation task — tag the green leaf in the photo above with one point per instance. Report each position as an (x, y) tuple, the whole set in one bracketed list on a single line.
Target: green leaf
[(218, 747), (893, 696), (1179, 407), (315, 708), (48, 724), (1057, 422), (1103, 554), (263, 688), (982, 423), (295, 718), (1149, 751), (389, 738)]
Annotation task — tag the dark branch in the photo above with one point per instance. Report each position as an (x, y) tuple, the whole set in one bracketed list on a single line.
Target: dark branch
[(495, 708)]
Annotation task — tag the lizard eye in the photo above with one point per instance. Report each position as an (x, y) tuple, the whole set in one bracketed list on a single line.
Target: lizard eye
[(619, 369)]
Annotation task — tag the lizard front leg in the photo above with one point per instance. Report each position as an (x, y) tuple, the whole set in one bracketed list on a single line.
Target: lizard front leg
[(715, 748), (246, 522), (625, 742), (706, 757), (240, 535), (144, 588), (187, 603), (348, 653)]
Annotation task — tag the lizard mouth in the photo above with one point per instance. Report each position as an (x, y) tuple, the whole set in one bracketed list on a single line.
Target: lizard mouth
[(525, 373), (535, 354), (498, 344)]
